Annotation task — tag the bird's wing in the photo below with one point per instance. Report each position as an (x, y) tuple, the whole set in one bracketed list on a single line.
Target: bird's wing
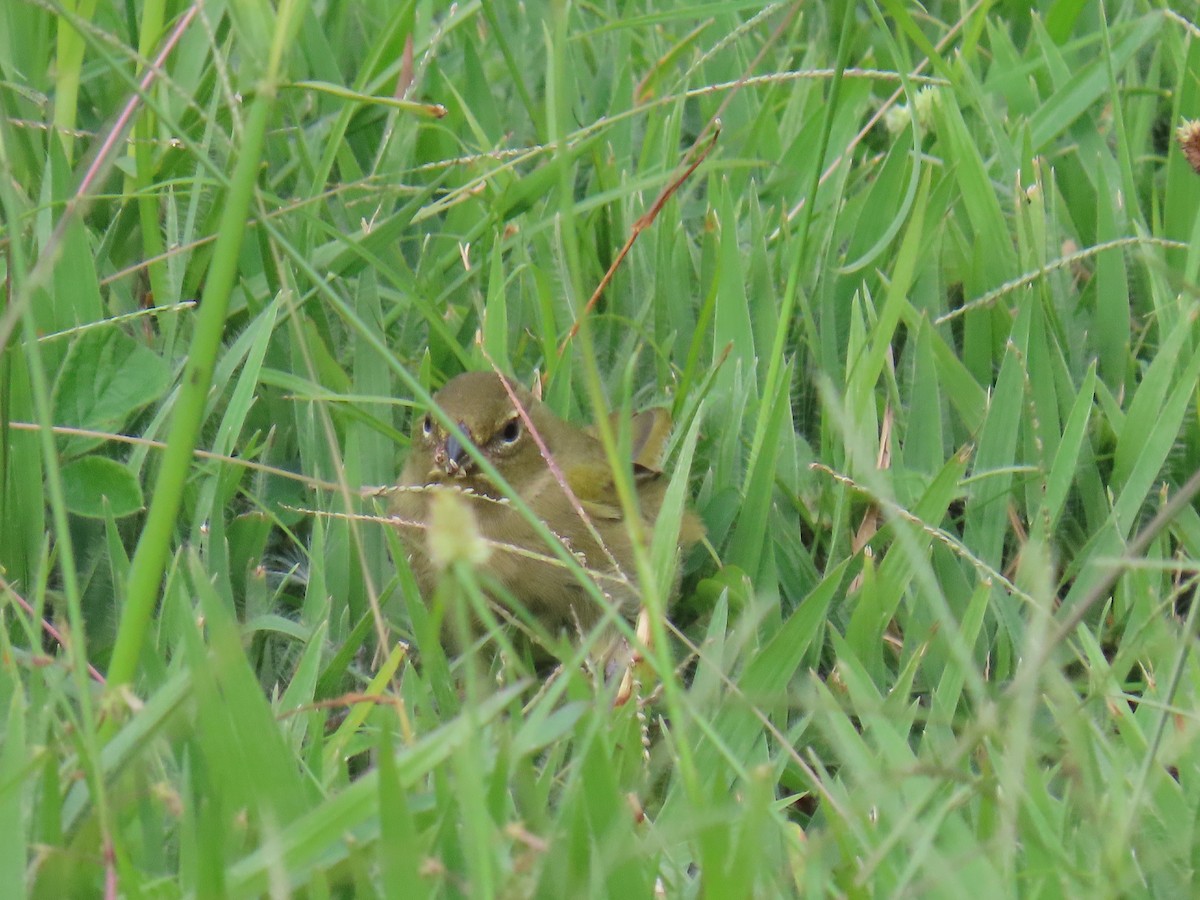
[(651, 428), (592, 484), (649, 431)]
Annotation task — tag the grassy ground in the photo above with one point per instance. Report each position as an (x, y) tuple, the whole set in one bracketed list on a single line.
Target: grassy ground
[(925, 313)]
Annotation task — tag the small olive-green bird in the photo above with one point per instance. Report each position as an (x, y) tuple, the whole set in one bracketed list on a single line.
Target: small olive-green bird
[(513, 553)]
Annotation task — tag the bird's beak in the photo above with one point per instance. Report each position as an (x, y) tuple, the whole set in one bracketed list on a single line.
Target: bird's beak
[(455, 453)]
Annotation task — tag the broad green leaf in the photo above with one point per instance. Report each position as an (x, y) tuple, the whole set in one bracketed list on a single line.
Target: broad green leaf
[(96, 486), (106, 378)]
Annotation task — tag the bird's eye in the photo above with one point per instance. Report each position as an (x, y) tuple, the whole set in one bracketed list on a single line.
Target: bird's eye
[(511, 430), (427, 425)]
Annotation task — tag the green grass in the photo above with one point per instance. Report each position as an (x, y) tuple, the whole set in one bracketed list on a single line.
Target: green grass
[(926, 317)]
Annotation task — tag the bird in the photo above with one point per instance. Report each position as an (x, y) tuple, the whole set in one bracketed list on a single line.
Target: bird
[(446, 505)]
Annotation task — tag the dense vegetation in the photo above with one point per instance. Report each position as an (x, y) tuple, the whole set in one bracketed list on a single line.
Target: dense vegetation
[(919, 285)]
